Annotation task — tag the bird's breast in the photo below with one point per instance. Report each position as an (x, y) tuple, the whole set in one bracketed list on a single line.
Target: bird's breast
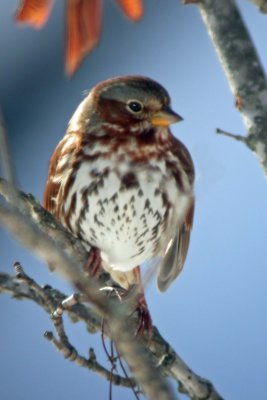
[(127, 208)]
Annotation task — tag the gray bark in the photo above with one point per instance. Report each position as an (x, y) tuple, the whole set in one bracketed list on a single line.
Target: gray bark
[(243, 70)]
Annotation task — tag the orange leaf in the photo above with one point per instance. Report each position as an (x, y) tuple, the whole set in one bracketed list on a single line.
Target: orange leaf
[(133, 9), (34, 12), (83, 30)]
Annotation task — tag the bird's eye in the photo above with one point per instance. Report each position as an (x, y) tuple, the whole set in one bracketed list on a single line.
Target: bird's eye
[(135, 106)]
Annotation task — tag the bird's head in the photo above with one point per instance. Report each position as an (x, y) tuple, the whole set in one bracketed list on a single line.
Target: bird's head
[(125, 105)]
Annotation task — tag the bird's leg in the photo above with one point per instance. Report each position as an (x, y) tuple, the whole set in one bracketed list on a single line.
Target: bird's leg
[(145, 320), (93, 264)]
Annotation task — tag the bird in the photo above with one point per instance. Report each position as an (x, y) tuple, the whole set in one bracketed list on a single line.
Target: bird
[(123, 184)]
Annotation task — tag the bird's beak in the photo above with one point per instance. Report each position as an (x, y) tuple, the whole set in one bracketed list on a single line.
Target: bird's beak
[(165, 117)]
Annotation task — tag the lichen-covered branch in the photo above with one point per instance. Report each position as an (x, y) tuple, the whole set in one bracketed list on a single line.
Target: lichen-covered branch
[(243, 69), (42, 234)]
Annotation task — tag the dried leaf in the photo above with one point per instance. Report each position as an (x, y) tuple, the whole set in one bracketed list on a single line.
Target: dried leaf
[(34, 12), (83, 30), (133, 9)]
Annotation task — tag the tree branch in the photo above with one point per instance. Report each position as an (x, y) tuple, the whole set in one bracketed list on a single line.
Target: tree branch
[(242, 67), (122, 333), (261, 4), (22, 286), (8, 170), (42, 234)]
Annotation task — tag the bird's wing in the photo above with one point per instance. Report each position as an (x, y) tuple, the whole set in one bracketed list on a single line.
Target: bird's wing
[(173, 262), (50, 195), (54, 185)]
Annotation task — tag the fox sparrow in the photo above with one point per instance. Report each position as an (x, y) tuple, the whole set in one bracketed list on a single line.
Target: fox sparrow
[(122, 183)]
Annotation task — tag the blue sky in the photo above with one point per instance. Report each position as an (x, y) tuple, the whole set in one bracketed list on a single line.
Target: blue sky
[(215, 313)]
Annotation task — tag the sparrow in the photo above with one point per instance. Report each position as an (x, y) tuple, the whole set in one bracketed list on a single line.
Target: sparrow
[(122, 183)]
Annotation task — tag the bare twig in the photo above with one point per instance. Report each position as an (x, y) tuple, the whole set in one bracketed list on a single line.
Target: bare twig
[(70, 352), (239, 138), (135, 392), (20, 289), (90, 363), (63, 344)]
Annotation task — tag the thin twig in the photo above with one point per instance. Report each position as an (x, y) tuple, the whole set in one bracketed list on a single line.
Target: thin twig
[(113, 367), (63, 344), (91, 363), (127, 377), (231, 135)]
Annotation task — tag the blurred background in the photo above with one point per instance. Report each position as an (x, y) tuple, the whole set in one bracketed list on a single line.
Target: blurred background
[(215, 313)]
